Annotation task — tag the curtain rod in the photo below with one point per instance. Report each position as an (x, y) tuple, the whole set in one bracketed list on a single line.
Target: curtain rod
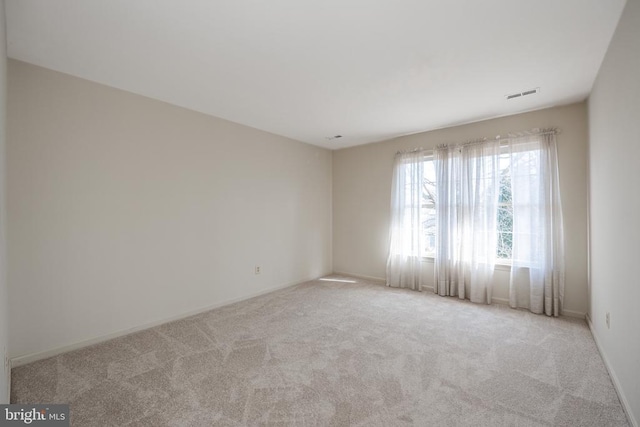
[(510, 135), (534, 131)]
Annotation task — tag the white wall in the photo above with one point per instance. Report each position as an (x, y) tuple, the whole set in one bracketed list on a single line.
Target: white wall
[(124, 210), (4, 304), (614, 133), (362, 193)]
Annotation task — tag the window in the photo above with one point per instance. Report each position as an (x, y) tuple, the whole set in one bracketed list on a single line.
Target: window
[(473, 205), (505, 209)]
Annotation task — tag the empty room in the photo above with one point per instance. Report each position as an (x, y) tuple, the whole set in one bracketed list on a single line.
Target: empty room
[(340, 213)]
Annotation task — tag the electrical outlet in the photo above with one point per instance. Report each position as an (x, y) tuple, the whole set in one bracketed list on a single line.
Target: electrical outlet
[(608, 320), (257, 271)]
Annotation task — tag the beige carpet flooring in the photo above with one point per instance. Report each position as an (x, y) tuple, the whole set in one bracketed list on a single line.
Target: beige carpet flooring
[(336, 353)]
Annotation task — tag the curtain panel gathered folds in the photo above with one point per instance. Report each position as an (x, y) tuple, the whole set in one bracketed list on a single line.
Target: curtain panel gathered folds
[(467, 184), (537, 265), (467, 194), (404, 265)]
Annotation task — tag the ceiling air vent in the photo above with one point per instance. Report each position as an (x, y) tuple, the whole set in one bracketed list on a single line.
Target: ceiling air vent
[(520, 94)]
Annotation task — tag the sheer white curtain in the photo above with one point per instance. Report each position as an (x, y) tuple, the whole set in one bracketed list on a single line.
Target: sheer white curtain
[(537, 270), (467, 185), (404, 265)]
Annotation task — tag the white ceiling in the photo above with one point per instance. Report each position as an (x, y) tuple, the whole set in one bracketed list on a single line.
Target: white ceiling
[(365, 69)]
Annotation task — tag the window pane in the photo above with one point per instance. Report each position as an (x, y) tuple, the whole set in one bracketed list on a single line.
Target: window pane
[(505, 210), (429, 229), (428, 208), (429, 183), (505, 231)]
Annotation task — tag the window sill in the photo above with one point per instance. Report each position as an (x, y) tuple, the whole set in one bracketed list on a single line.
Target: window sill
[(502, 265)]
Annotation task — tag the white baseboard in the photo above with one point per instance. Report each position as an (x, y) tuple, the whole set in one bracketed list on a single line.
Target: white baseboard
[(614, 377), (494, 300), (33, 357), (501, 301), (576, 314), (360, 276), (504, 301)]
